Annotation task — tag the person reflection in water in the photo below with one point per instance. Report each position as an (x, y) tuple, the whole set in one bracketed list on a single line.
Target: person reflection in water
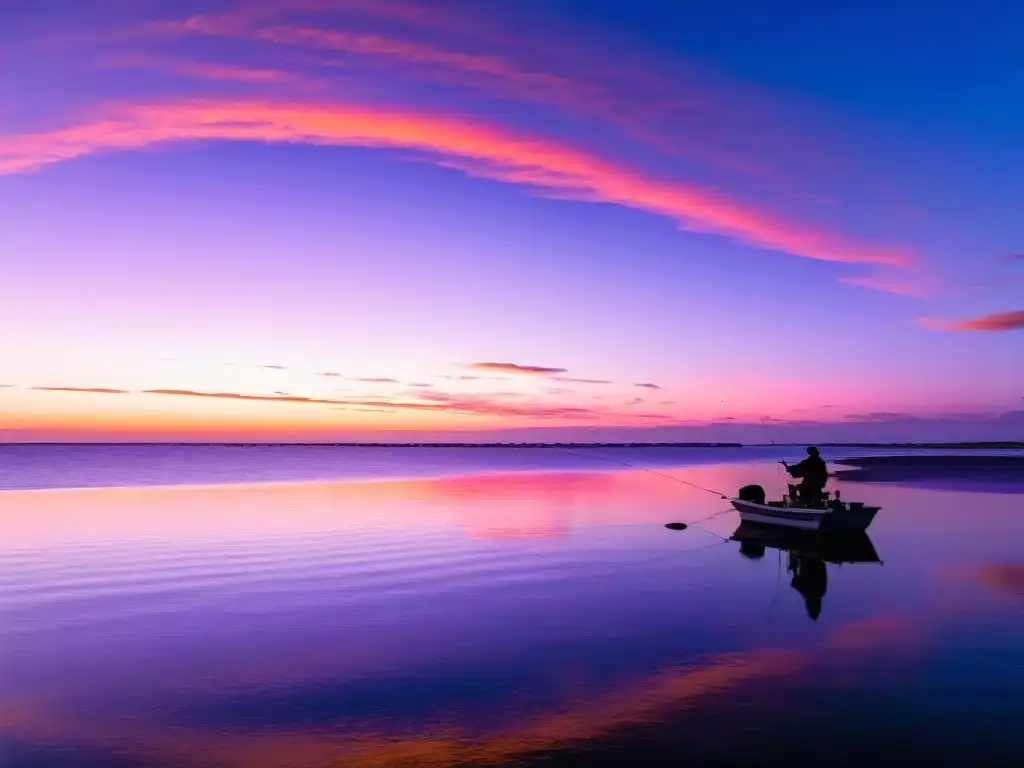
[(810, 579), (813, 475)]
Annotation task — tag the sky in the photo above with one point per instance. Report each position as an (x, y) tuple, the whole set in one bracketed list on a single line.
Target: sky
[(398, 220)]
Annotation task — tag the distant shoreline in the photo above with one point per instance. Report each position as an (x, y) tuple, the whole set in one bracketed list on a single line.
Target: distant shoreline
[(944, 446), (1005, 445), (996, 474)]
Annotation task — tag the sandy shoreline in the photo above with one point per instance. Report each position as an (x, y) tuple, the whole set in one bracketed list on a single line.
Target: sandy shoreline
[(1001, 474)]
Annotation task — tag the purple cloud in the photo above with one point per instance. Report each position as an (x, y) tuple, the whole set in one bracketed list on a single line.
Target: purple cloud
[(526, 370)]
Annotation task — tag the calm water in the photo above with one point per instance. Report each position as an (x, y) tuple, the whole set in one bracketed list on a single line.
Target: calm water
[(426, 607)]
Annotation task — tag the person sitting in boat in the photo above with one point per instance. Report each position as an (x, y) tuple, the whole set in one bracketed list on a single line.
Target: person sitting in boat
[(813, 475)]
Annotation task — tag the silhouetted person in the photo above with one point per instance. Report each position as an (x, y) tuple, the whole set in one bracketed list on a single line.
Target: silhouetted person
[(813, 475), (810, 579)]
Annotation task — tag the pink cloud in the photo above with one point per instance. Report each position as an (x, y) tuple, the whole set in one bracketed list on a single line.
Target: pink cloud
[(436, 401), (203, 70), (238, 396), (896, 285), (677, 113), (485, 151), (647, 386), (999, 321)]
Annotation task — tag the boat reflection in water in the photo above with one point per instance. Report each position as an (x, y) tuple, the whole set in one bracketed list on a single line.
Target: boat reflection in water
[(808, 552)]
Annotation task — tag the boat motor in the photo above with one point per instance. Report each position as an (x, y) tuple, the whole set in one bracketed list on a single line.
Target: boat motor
[(751, 493)]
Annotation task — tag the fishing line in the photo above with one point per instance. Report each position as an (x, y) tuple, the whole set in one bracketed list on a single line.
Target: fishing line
[(646, 469), (695, 524), (677, 553), (710, 517), (778, 583), (661, 474)]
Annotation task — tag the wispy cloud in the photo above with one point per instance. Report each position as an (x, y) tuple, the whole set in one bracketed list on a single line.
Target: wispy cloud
[(239, 396), (203, 70), (999, 321), (681, 113), (580, 381), (886, 283), (878, 416), (1012, 257), (528, 370), (233, 364), (479, 405), (487, 404), (545, 166), (331, 375), (375, 380), (94, 390), (647, 385)]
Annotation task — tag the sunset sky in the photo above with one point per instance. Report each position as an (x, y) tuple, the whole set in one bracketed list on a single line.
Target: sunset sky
[(401, 219)]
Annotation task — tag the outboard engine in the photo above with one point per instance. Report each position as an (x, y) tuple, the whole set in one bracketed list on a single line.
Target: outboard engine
[(751, 493)]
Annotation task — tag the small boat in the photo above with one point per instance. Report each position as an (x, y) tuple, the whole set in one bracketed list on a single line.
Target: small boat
[(833, 516)]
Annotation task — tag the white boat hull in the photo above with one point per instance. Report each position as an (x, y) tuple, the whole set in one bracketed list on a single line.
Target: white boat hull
[(789, 517), (845, 519)]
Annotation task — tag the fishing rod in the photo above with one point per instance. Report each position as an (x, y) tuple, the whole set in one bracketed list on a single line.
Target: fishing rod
[(764, 426)]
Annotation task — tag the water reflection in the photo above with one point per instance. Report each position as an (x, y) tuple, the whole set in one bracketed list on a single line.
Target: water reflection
[(807, 553), (492, 620)]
